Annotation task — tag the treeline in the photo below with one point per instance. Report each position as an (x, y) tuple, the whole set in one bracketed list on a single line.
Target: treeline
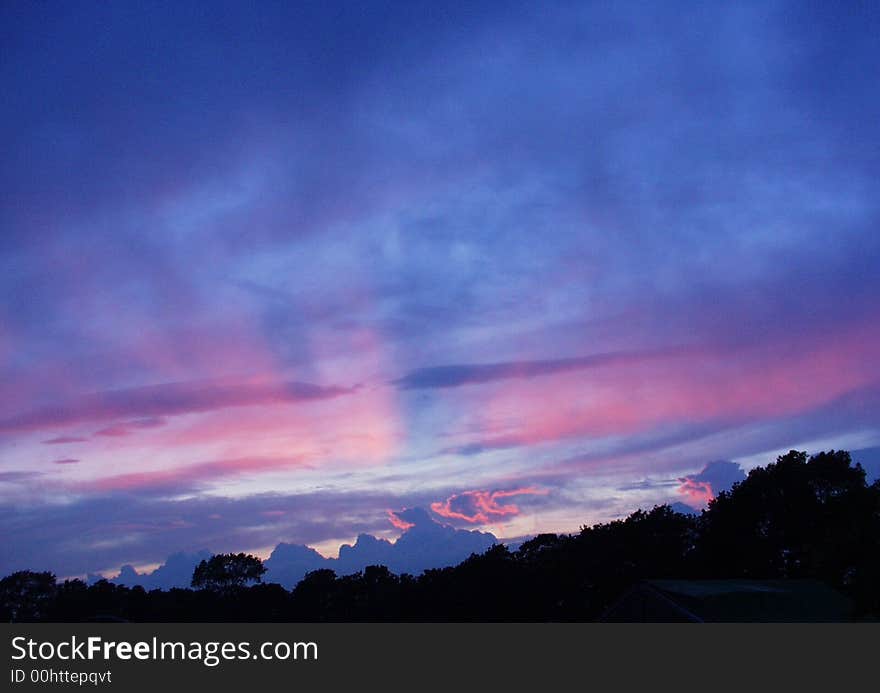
[(800, 517)]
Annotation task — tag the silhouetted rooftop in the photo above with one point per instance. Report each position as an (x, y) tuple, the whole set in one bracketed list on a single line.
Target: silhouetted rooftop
[(731, 601)]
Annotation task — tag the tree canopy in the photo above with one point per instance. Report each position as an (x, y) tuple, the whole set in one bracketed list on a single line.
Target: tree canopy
[(26, 595), (225, 571)]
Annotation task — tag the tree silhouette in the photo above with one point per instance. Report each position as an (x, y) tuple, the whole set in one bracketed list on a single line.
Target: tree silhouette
[(227, 571), (26, 595), (796, 518), (315, 595), (800, 517)]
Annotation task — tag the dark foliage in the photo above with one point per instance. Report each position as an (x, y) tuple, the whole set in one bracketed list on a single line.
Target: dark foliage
[(224, 572), (796, 518)]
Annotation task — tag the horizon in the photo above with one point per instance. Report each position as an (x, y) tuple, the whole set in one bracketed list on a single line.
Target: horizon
[(868, 459), (286, 273)]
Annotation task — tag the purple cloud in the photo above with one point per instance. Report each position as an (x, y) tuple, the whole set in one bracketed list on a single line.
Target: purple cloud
[(471, 374), (155, 401), (18, 476)]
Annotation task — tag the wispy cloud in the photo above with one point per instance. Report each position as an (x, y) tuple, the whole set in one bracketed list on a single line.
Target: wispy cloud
[(126, 428), (18, 476), (470, 374), (187, 477), (150, 403), (61, 440)]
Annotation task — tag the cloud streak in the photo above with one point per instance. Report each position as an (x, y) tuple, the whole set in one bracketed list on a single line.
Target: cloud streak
[(438, 377), (126, 428), (156, 401)]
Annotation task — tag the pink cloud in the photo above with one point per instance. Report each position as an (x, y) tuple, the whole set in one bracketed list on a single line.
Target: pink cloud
[(699, 493), (362, 428), (694, 386), (714, 478), (125, 428), (481, 507), (116, 431), (152, 402), (401, 524)]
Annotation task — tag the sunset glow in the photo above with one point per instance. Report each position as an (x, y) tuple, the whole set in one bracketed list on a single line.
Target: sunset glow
[(519, 269)]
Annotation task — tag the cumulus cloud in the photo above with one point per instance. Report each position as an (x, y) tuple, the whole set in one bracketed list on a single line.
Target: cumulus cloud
[(398, 521), (144, 526), (176, 571), (683, 508), (714, 478), (697, 492), (414, 516), (424, 544)]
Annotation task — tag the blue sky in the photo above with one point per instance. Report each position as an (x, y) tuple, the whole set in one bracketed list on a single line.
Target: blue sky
[(272, 270)]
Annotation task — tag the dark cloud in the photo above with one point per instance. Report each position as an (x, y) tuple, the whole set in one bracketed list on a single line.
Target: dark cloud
[(66, 460), (486, 445), (648, 484), (60, 440), (470, 374)]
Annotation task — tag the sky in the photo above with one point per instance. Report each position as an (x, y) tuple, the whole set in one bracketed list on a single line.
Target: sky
[(279, 272)]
